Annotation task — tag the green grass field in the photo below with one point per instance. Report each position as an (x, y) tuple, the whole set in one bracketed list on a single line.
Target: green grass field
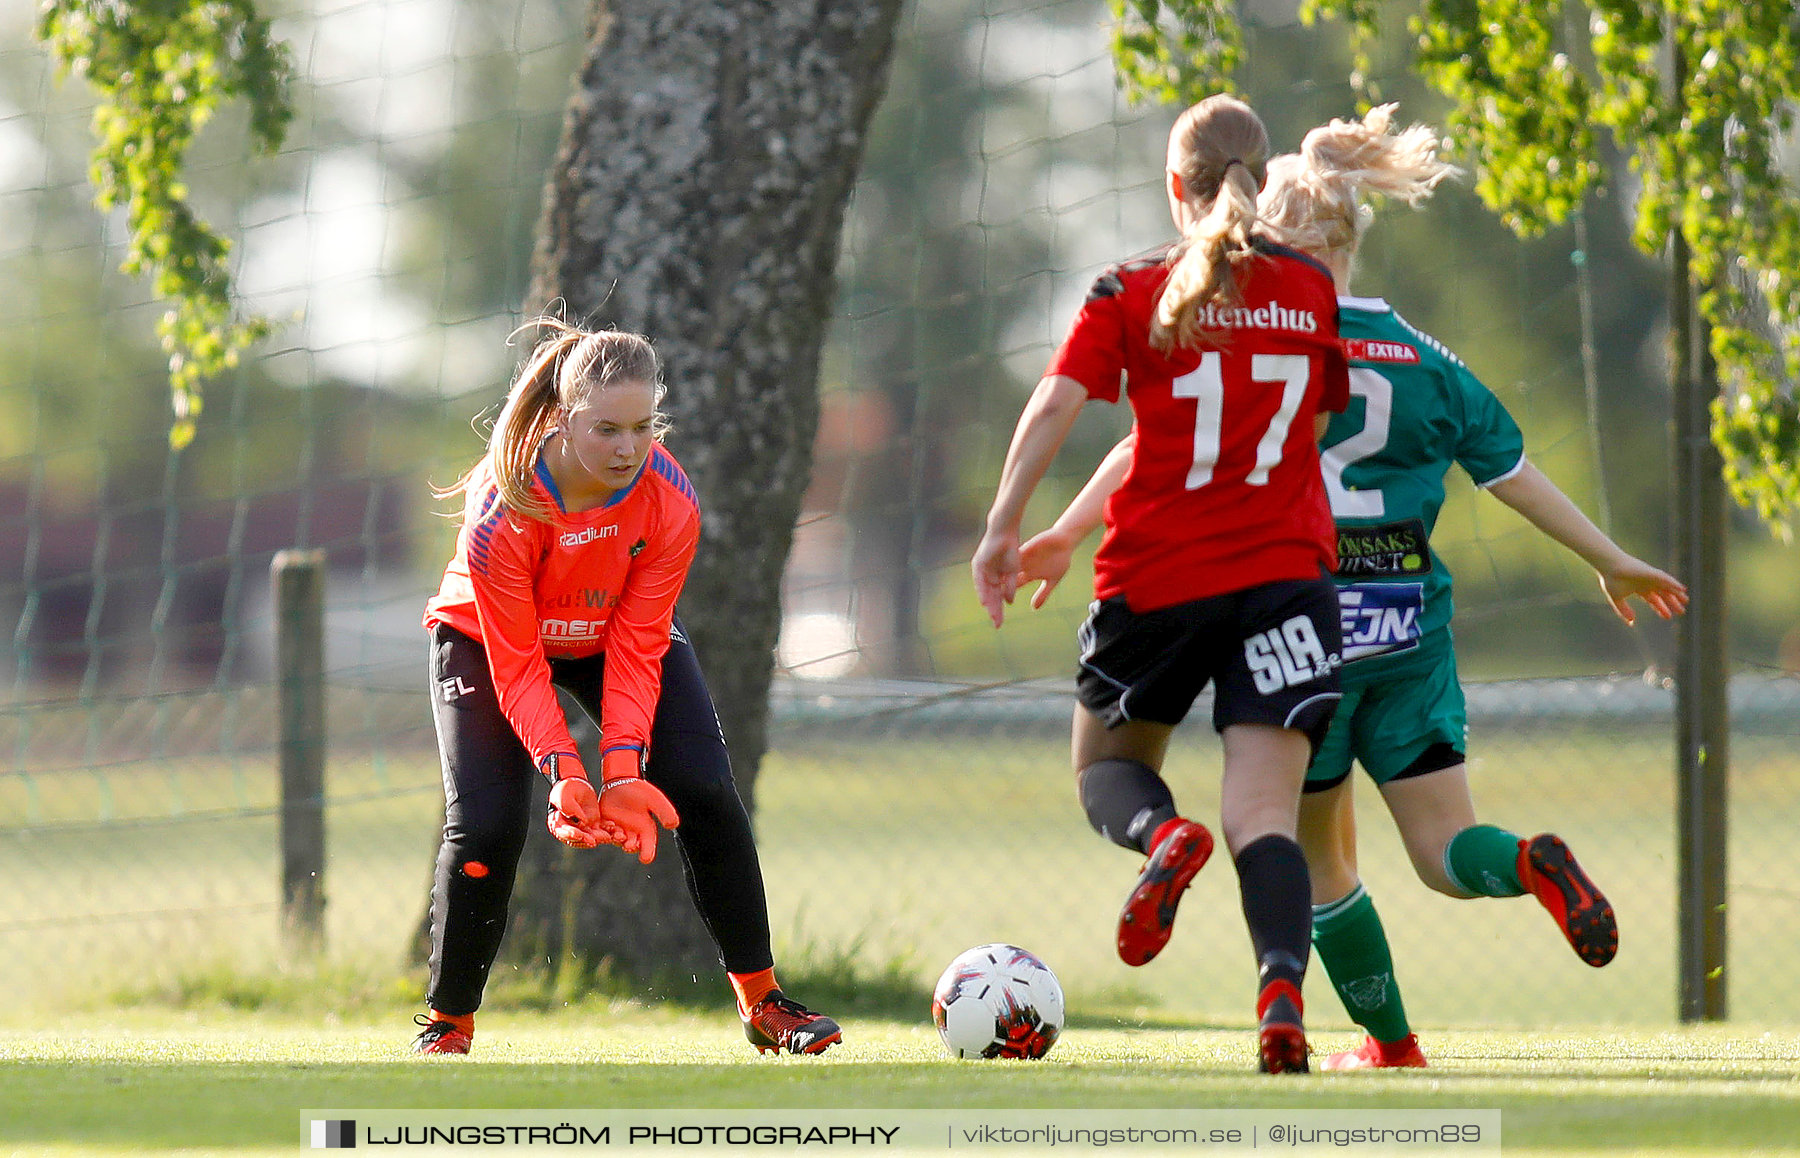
[(898, 854), (222, 1080), (151, 1009)]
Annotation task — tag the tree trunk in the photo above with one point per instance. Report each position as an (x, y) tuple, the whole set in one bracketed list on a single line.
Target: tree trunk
[(697, 197)]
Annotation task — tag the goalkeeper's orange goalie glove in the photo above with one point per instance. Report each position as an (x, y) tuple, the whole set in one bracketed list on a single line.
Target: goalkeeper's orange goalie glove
[(574, 805), (630, 805)]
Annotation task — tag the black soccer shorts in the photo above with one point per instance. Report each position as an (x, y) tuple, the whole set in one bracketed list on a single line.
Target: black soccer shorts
[(1273, 652)]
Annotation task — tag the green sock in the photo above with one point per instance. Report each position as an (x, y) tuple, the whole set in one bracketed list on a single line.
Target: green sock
[(1484, 860), (1349, 939)]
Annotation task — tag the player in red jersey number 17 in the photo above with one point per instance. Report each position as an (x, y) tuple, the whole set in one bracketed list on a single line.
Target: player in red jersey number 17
[(1219, 543)]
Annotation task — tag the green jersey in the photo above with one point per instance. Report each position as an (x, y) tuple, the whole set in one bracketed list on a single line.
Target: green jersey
[(1414, 409)]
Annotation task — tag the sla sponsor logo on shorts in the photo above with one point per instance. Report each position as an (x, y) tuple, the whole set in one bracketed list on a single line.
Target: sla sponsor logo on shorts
[(1388, 549), (1380, 618), (1287, 656)]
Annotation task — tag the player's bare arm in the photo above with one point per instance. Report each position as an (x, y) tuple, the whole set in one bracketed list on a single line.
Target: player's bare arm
[(1042, 428), (1622, 576), (1047, 555)]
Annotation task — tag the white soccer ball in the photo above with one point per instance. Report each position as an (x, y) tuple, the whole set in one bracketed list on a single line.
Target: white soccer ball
[(998, 1001)]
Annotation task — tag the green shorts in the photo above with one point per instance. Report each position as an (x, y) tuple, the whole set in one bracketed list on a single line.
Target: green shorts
[(1389, 721)]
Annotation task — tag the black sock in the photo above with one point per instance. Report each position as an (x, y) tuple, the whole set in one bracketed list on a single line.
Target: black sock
[(1277, 896), (1125, 801)]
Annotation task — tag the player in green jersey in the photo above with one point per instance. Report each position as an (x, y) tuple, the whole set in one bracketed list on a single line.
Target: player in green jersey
[(1402, 716), (1415, 410)]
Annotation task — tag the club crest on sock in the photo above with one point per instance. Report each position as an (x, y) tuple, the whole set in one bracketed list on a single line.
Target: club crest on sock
[(1369, 992)]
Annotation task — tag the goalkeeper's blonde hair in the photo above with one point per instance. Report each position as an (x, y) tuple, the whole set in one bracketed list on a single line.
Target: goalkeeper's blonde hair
[(1314, 200), (565, 368)]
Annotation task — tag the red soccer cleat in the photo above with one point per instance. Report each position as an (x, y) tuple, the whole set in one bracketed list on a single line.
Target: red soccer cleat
[(1379, 1055), (440, 1037), (1548, 870), (776, 1023), (1149, 914), (1279, 1034)]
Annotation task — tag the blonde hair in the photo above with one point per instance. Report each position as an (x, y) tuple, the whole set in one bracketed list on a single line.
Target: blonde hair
[(1218, 148), (1313, 200), (557, 380)]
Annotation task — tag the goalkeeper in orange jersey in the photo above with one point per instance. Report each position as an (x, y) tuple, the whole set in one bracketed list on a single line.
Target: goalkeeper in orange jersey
[(1415, 410), (578, 531)]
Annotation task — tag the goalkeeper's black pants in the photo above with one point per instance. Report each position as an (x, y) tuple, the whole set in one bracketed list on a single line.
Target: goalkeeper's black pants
[(493, 798)]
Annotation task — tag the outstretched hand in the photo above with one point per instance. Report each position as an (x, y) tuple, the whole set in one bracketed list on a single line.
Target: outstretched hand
[(632, 807), (1662, 592), (996, 572), (1045, 557)]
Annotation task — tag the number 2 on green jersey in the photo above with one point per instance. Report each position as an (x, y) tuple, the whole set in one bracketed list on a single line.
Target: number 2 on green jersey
[(1206, 385), (1377, 394)]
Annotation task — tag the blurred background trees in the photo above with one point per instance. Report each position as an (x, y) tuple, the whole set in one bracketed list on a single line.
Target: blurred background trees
[(390, 241)]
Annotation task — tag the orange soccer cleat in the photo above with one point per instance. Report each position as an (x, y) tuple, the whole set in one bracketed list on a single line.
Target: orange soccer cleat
[(1149, 913), (1279, 1033), (777, 1024), (1548, 870), (441, 1037), (1379, 1055)]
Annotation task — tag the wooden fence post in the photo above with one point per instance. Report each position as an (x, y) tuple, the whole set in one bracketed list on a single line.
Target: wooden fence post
[(299, 580)]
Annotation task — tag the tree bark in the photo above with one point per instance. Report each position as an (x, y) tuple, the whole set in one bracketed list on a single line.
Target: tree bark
[(697, 197)]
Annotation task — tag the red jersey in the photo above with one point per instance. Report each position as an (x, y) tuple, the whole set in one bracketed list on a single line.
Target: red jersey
[(1224, 490), (601, 580)]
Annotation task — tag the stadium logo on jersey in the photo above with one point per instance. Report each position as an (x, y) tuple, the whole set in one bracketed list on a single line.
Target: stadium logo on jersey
[(587, 535), (571, 628), (1287, 656), (1380, 618), (1371, 350), (1400, 548), (1273, 316)]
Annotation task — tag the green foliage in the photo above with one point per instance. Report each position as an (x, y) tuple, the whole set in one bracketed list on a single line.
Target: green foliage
[(162, 68), (1697, 95), (1176, 51), (1727, 195), (1521, 111), (1361, 17)]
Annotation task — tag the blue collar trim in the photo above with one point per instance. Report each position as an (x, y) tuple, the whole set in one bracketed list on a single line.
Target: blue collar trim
[(543, 476)]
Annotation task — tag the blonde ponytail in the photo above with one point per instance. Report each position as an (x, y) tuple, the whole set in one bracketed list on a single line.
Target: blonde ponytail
[(526, 419), (1218, 148), (1313, 201), (564, 369)]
